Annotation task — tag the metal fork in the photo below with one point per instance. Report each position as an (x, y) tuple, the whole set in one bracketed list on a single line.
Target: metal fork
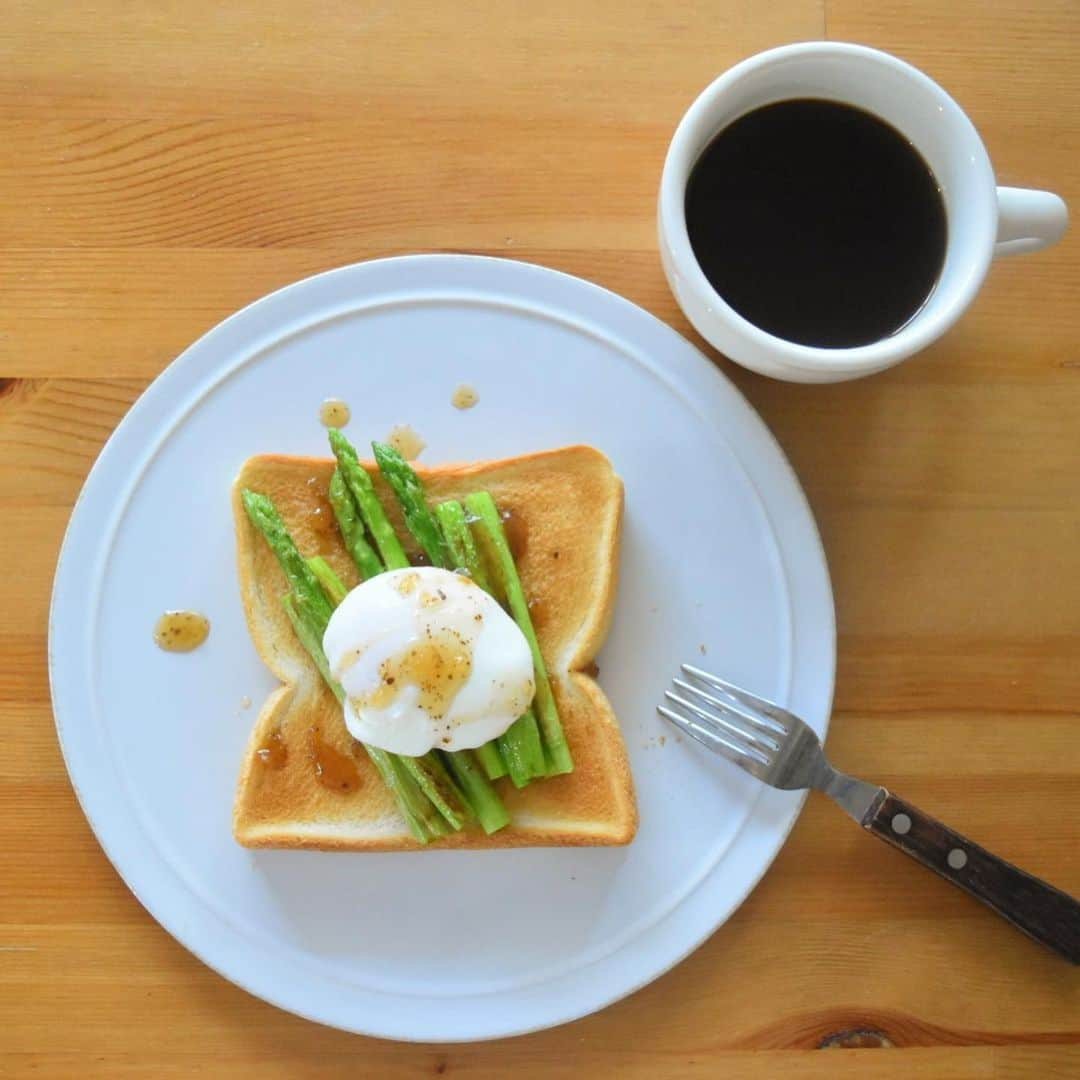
[(781, 750)]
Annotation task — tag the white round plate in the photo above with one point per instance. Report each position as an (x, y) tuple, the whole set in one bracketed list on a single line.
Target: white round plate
[(721, 564)]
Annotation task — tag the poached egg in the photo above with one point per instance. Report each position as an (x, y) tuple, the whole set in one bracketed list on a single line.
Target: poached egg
[(427, 660)]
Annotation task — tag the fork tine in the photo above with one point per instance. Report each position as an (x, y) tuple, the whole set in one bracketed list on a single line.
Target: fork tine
[(775, 712), (710, 739), (722, 713), (723, 728), (765, 728)]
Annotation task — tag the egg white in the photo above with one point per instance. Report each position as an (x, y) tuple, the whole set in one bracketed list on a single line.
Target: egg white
[(381, 619)]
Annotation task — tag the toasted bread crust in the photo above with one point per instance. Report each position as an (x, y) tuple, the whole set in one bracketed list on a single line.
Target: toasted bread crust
[(569, 503)]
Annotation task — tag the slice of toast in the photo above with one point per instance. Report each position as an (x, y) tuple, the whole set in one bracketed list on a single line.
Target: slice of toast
[(305, 783)]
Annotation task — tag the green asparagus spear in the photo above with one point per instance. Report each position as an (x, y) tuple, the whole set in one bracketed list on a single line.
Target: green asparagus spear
[(363, 491), (464, 556), (332, 585), (306, 624), (519, 748), (492, 540), (391, 765), (438, 794), (490, 761), (421, 817), (489, 808), (454, 804), (442, 789), (313, 609), (427, 771), (352, 528), (460, 543), (410, 493), (265, 517), (522, 749)]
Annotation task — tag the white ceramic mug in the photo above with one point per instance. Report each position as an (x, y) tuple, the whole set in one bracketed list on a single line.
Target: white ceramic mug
[(983, 220)]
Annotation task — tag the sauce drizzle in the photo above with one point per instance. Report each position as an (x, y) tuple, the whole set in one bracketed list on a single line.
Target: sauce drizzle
[(181, 631), (273, 753), (334, 413), (324, 527), (538, 612), (465, 397), (517, 533), (438, 666), (406, 442), (333, 769)]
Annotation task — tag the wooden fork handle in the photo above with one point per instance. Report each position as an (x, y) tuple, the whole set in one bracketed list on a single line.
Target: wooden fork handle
[(1042, 912)]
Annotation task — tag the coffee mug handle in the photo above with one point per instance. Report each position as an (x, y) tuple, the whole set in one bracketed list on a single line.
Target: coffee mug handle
[(1028, 220)]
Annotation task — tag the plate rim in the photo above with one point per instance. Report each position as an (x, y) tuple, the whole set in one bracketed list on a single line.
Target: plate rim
[(160, 388)]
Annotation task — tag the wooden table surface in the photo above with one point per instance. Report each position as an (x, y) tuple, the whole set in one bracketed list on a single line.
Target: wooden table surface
[(165, 163)]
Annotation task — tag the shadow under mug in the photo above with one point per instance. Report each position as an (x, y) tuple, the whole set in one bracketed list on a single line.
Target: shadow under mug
[(983, 220)]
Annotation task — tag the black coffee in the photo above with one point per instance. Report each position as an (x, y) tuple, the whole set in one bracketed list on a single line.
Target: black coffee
[(818, 222)]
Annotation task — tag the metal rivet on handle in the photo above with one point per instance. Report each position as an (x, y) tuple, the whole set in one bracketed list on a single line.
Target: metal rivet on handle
[(901, 824), (957, 859)]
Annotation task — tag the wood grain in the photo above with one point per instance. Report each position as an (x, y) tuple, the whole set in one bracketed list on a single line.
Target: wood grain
[(163, 164)]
